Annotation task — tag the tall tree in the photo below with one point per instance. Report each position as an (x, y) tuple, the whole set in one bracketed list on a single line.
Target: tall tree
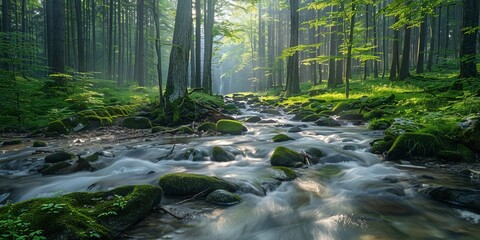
[(348, 73), (468, 45), (333, 49), (293, 84), (158, 48), (207, 63), (58, 54), (178, 67), (140, 47), (80, 34), (421, 46), (198, 44), (395, 57), (404, 72)]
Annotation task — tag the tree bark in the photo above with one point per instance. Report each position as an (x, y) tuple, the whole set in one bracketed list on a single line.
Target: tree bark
[(293, 85), (348, 73), (139, 61), (333, 50), (405, 64), (80, 34), (207, 64), (395, 57), (158, 48), (58, 54), (431, 51), (198, 46), (468, 46), (421, 46), (178, 66)]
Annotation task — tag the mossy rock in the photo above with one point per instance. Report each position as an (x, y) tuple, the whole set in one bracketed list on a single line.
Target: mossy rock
[(11, 142), (253, 119), (380, 146), (136, 123), (471, 136), (58, 127), (189, 184), (354, 117), (230, 106), (271, 111), (461, 154), (340, 107), (59, 157), (299, 115), (207, 126), (221, 155), (314, 155), (83, 215), (376, 102), (327, 172), (413, 145), (327, 122), (379, 124), (399, 127), (227, 126), (223, 198), (283, 173), (281, 138), (286, 157), (313, 117), (60, 167), (374, 114), (157, 129), (92, 158), (183, 130), (39, 144)]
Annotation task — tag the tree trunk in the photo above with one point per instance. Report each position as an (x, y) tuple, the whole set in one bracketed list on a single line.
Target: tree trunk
[(395, 57), (139, 66), (348, 73), (207, 64), (375, 42), (58, 55), (158, 48), (468, 44), (431, 51), (421, 46), (198, 46), (333, 50), (178, 65), (94, 36), (404, 66), (293, 85), (80, 32), (261, 48)]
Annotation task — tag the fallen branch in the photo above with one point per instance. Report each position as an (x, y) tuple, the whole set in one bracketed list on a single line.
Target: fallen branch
[(168, 154), (194, 197)]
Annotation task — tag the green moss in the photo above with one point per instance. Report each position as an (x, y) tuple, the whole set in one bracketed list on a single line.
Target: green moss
[(281, 138), (283, 156), (379, 124), (283, 173), (58, 157), (56, 168), (39, 144), (184, 130), (327, 122), (92, 158), (232, 127), (207, 126), (82, 215), (327, 172), (314, 155), (340, 107), (313, 117), (58, 127), (414, 145), (401, 126), (223, 198), (189, 184), (221, 155), (11, 142), (460, 154), (374, 114), (253, 119), (380, 146), (136, 123), (157, 129)]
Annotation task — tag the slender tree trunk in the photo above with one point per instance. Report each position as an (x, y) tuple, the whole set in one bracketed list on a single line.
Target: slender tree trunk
[(24, 16), (367, 13), (80, 32), (339, 64), (158, 48), (395, 57), (139, 66), (431, 51), (421, 46), (405, 64), (94, 36), (261, 48), (333, 50), (198, 46), (58, 55), (207, 65), (468, 68), (293, 85), (178, 65), (348, 73)]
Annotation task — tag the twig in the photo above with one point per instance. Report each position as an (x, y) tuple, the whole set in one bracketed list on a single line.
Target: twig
[(168, 154), (195, 89), (172, 213), (194, 197)]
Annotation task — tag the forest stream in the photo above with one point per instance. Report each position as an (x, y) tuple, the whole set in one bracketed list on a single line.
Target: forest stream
[(351, 194)]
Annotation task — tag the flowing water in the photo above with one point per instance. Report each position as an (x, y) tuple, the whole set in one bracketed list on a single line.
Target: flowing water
[(352, 194)]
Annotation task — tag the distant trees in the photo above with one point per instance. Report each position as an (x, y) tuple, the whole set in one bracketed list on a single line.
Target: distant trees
[(293, 85), (468, 46)]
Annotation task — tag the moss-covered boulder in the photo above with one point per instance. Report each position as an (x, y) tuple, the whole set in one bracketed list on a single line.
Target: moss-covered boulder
[(157, 129), (223, 198), (461, 153), (56, 168), (282, 173), (379, 124), (58, 127), (11, 142), (82, 215), (286, 157), (59, 157), (39, 144), (189, 184), (137, 123), (313, 117), (340, 107), (232, 127), (327, 122), (380, 146), (281, 138), (399, 127), (183, 130), (299, 115), (356, 118), (463, 197), (253, 119), (313, 155), (221, 155), (471, 136), (207, 126), (410, 145), (271, 111), (374, 114)]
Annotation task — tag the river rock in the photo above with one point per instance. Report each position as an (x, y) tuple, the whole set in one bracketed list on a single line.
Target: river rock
[(327, 122), (83, 215), (57, 127), (340, 107), (221, 155), (271, 111), (232, 127), (57, 168), (313, 117), (413, 144), (195, 154), (471, 135), (189, 184), (59, 157), (222, 197), (313, 155), (399, 127), (137, 123), (463, 197), (39, 144), (285, 157), (282, 173), (253, 119), (295, 129), (207, 126), (281, 138)]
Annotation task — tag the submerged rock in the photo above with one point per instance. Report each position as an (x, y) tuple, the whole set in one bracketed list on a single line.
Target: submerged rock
[(462, 197), (285, 157), (282, 173), (82, 215), (327, 122), (232, 127), (207, 126), (221, 155), (281, 138), (39, 144), (222, 197), (59, 157), (136, 123), (58, 127), (413, 145), (253, 119), (189, 184), (313, 155)]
